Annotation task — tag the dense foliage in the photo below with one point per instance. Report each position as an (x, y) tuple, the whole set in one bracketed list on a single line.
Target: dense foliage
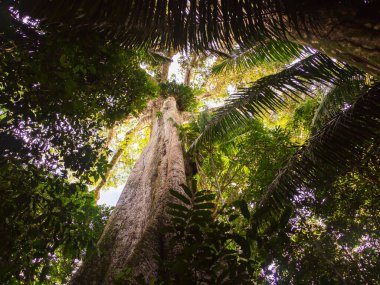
[(47, 223), (59, 92), (290, 161), (62, 89), (328, 234)]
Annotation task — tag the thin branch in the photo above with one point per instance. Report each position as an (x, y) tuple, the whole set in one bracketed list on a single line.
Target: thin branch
[(117, 155)]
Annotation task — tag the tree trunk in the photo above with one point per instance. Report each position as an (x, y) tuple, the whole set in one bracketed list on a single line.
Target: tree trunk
[(348, 33), (132, 237), (188, 73)]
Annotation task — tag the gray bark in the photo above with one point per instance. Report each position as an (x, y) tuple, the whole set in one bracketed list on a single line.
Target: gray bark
[(132, 237), (188, 73)]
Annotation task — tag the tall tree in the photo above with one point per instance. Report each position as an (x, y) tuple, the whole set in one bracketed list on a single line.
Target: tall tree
[(132, 237)]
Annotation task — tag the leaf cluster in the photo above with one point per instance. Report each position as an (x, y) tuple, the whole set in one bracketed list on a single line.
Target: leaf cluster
[(207, 248), (58, 90), (185, 96), (46, 223)]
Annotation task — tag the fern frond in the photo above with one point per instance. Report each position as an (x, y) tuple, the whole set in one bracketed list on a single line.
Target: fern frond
[(270, 93)]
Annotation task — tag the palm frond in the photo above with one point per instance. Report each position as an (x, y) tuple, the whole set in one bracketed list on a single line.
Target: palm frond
[(336, 99), (196, 24), (268, 51), (336, 148), (271, 92), (158, 57)]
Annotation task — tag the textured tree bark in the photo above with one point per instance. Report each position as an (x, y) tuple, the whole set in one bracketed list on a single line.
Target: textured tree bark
[(348, 33), (132, 237)]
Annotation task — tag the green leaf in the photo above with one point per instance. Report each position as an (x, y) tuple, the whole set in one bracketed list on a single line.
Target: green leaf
[(208, 205), (178, 221), (204, 197), (178, 207), (244, 244), (268, 93), (179, 196), (187, 190), (176, 213), (232, 217)]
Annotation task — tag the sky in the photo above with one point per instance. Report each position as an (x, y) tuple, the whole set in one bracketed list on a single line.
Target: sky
[(110, 195)]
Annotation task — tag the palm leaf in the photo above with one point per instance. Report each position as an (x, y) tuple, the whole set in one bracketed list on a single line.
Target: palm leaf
[(336, 148), (268, 51), (336, 99), (270, 92), (158, 57), (197, 24)]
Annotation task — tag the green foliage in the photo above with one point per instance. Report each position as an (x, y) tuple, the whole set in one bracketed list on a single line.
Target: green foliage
[(312, 236), (336, 100), (311, 220), (331, 236), (58, 91), (268, 51), (270, 93), (46, 223), (61, 89), (158, 114), (208, 250), (328, 154), (246, 159), (184, 95), (303, 114)]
